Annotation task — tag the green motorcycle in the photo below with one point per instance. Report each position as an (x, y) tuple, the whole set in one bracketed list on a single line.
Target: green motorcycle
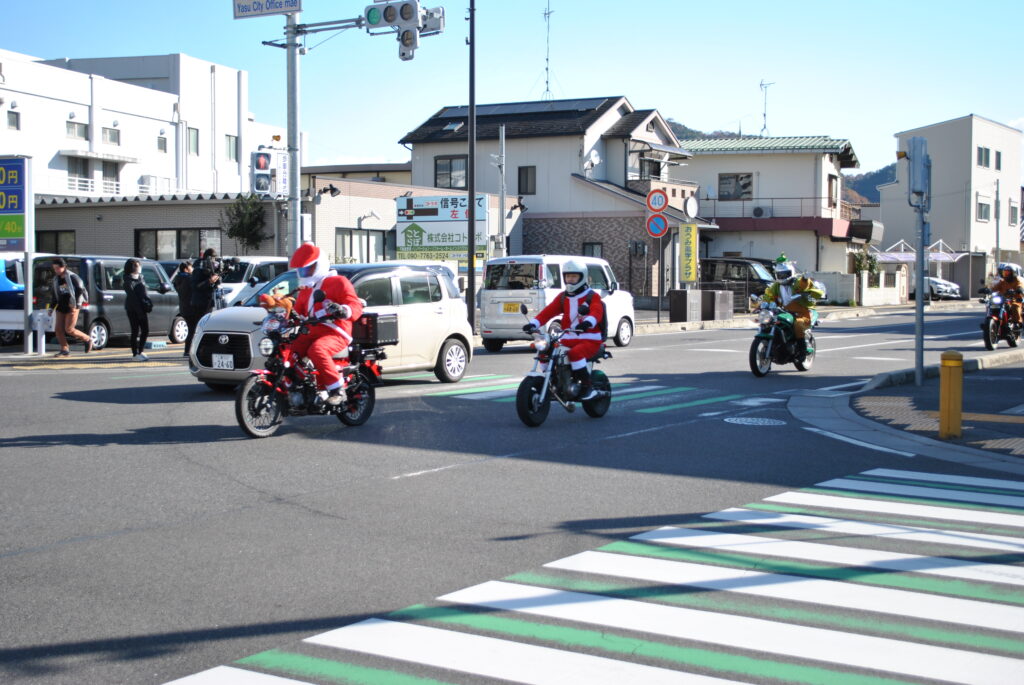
[(775, 341)]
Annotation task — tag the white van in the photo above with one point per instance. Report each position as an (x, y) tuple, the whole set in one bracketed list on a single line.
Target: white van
[(535, 280)]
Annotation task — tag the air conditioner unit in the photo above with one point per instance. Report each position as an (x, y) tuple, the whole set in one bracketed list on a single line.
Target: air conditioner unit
[(762, 212)]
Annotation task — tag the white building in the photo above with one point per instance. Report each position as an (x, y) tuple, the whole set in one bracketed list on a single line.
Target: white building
[(128, 126), (975, 195)]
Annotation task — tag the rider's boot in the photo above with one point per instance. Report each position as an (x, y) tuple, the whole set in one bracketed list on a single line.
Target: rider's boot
[(587, 391), (801, 348), (336, 395)]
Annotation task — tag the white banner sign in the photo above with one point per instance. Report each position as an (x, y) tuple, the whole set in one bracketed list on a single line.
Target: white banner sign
[(261, 8)]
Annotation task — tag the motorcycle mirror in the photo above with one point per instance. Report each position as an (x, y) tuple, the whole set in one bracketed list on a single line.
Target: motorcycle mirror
[(319, 296), (523, 309)]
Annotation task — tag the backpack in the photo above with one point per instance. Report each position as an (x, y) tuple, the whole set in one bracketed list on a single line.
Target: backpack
[(602, 325)]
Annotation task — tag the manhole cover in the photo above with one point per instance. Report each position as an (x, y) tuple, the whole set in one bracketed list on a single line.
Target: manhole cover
[(754, 421)]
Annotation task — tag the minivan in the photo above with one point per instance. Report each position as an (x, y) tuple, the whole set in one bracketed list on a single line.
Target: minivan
[(743, 276), (535, 280), (104, 317)]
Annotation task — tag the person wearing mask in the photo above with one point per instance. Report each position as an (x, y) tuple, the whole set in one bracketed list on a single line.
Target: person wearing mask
[(205, 280), (138, 306), (69, 295), (182, 283)]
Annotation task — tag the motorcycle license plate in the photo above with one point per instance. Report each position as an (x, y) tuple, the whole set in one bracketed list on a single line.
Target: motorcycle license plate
[(224, 361), (510, 308)]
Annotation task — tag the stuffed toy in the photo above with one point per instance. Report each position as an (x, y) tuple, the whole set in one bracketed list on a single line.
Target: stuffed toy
[(269, 302)]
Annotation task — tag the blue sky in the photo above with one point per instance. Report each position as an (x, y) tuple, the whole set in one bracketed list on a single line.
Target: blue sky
[(862, 71)]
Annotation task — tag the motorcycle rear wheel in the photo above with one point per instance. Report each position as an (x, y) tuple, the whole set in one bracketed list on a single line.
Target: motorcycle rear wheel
[(361, 397), (531, 409), (991, 334), (808, 361), (760, 362), (257, 409), (599, 406)]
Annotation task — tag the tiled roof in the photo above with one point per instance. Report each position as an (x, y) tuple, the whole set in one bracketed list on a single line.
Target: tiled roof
[(521, 119), (55, 200), (791, 144), (627, 124)]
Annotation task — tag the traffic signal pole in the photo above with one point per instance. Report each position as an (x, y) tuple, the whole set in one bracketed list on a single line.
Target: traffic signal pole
[(294, 171), (471, 173)]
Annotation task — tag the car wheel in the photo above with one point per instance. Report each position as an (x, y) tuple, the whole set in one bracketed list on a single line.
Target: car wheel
[(493, 344), (179, 330), (624, 332), (221, 387), (100, 335), (9, 337), (451, 361)]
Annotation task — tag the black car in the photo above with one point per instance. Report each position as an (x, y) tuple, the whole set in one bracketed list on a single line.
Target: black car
[(105, 317), (745, 277)]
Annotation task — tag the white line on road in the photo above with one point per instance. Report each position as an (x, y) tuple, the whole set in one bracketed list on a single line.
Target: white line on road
[(875, 506), (944, 478), (860, 443), (225, 675), (1016, 411), (881, 359), (983, 498), (861, 381)]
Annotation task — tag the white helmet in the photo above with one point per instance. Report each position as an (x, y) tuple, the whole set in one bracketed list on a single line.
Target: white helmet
[(574, 267), (784, 272)]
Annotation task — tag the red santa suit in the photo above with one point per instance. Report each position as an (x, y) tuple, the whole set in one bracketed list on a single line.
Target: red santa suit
[(581, 346)]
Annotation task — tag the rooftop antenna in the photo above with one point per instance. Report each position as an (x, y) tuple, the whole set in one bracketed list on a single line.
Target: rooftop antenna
[(547, 94), (764, 112)]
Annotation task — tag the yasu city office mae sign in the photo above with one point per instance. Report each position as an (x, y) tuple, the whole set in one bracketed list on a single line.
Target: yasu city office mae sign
[(12, 204), (260, 8)]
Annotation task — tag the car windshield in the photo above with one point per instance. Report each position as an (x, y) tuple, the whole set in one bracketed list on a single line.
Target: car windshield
[(761, 272), (282, 286), (511, 277), (234, 272)]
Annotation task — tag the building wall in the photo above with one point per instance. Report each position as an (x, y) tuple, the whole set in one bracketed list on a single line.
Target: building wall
[(775, 175)]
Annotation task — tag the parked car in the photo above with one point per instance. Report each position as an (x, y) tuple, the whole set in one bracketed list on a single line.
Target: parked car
[(105, 318), (242, 276), (940, 289), (745, 277), (12, 295), (433, 326), (535, 280)]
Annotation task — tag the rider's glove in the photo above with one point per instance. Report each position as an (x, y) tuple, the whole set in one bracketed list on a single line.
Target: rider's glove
[(583, 325), (529, 328), (340, 311)]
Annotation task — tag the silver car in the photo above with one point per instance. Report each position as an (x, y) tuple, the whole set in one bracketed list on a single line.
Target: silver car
[(433, 327)]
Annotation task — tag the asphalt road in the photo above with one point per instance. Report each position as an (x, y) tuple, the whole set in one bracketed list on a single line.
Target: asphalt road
[(146, 538)]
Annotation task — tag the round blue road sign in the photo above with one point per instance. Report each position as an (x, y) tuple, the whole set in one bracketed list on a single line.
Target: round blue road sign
[(657, 225)]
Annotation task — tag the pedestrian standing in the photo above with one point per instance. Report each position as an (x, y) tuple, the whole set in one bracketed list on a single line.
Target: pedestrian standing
[(182, 282), (138, 305), (68, 294), (204, 288)]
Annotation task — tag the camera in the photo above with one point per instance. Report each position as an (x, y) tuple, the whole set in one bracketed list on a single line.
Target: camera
[(223, 266)]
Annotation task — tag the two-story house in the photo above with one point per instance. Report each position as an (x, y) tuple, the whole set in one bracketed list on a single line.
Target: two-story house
[(778, 195), (580, 169), (975, 196)]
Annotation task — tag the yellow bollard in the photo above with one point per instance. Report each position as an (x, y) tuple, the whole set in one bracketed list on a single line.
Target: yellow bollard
[(951, 395)]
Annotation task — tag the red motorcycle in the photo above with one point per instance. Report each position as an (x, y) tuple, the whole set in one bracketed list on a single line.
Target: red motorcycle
[(996, 325), (287, 386)]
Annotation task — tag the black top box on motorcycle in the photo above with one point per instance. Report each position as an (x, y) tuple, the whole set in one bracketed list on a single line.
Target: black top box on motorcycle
[(373, 329)]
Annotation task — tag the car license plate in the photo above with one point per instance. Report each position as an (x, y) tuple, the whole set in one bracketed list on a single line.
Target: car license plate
[(511, 308), (224, 361)]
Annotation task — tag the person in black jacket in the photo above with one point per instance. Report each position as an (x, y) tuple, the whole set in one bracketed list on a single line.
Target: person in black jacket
[(138, 305), (69, 296), (205, 280), (182, 283)]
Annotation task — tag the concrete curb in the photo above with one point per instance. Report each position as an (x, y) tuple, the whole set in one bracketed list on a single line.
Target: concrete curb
[(906, 376)]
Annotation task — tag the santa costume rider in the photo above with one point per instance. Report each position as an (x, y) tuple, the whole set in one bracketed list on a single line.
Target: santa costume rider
[(582, 345), (333, 335)]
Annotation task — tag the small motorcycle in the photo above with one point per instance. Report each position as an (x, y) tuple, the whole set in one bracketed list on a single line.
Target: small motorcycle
[(533, 399), (287, 386), (996, 325), (775, 340)]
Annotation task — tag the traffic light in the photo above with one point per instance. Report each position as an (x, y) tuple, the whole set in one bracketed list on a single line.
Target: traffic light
[(261, 170), (404, 16)]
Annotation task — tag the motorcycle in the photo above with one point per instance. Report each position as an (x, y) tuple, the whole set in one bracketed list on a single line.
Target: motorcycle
[(533, 399), (775, 341), (996, 325), (287, 386)]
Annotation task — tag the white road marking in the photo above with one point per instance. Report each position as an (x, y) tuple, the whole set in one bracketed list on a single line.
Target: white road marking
[(880, 359), (988, 498), (945, 478), (714, 349), (1015, 411), (493, 657), (817, 644), (861, 381), (860, 443), (225, 675), (757, 401), (887, 531), (812, 499), (835, 555)]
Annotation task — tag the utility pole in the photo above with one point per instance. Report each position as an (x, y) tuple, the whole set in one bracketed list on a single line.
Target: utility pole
[(294, 171), (471, 173), (500, 251), (919, 196), (999, 253)]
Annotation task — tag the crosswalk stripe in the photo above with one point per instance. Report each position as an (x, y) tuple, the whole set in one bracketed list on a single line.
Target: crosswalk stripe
[(693, 403), (225, 675), (930, 493), (617, 395), (339, 671), (943, 478), (840, 556), (495, 658), (464, 391), (816, 644), (880, 530), (829, 593), (903, 508)]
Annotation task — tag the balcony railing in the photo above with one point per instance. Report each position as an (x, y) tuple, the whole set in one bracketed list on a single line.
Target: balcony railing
[(111, 187), (80, 185), (768, 207)]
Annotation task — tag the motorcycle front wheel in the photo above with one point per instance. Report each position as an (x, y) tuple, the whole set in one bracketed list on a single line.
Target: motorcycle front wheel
[(360, 400), (991, 333), (257, 408), (531, 409), (760, 362), (598, 406), (808, 361)]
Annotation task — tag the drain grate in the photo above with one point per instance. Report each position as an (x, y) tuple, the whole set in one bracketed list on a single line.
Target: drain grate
[(754, 421)]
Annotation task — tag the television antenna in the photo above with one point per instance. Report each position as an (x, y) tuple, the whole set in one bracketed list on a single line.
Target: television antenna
[(764, 111), (547, 94)]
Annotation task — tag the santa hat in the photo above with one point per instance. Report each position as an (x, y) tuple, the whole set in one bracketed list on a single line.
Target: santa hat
[(304, 256)]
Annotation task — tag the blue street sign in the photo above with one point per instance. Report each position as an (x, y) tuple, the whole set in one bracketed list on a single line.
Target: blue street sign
[(657, 225)]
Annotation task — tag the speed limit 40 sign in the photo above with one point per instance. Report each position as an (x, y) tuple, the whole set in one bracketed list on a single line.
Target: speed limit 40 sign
[(657, 201)]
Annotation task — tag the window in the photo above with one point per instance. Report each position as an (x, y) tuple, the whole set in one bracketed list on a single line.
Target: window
[(77, 130), (376, 291), (161, 144), (419, 289), (111, 136), (78, 167), (736, 186), (450, 171), (1014, 213), (650, 169), (151, 277), (113, 277), (984, 156), (833, 190), (58, 242), (984, 211), (596, 277), (193, 141), (999, 160), (231, 147), (14, 120), (527, 180), (111, 182), (592, 249), (174, 243)]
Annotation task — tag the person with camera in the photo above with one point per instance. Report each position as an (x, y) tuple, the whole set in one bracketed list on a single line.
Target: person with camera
[(138, 306), (205, 279), (182, 283)]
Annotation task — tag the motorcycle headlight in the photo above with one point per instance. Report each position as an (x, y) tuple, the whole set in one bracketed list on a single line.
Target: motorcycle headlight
[(764, 317), (996, 299), (266, 347), (540, 345), (271, 324)]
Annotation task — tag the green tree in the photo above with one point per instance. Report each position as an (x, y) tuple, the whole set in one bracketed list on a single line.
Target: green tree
[(243, 220)]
